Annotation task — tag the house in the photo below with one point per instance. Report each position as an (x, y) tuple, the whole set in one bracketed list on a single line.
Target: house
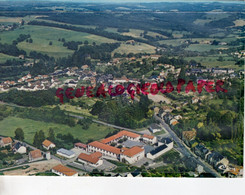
[(105, 149), (48, 144), (216, 159), (93, 159), (81, 146), (201, 150), (132, 155), (149, 139), (35, 155), (155, 128), (62, 170), (19, 148), (6, 141), (160, 150), (173, 122), (65, 153)]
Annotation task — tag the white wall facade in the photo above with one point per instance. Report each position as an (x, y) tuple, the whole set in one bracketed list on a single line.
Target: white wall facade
[(134, 158)]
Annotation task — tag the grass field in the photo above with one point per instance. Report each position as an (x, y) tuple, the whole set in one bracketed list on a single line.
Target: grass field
[(9, 125), (43, 35), (211, 61), (203, 47), (4, 57), (137, 48)]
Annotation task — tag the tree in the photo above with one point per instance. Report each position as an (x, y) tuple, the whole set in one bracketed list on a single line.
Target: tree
[(39, 137), (19, 134), (51, 135), (30, 41), (36, 140), (86, 42), (50, 43)]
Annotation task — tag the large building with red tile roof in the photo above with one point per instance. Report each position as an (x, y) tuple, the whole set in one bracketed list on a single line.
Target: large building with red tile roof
[(62, 170), (106, 150), (6, 141), (120, 135), (93, 159), (132, 155)]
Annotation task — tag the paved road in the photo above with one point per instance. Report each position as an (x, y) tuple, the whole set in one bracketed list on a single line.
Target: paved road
[(187, 152)]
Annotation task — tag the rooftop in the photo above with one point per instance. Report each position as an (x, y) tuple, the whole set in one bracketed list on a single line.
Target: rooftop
[(47, 143), (7, 140), (158, 149), (65, 170), (65, 152), (36, 154), (92, 158), (133, 151), (118, 135), (105, 147)]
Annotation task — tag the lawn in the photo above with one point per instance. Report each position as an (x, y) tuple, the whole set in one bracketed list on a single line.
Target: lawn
[(43, 35), (9, 124)]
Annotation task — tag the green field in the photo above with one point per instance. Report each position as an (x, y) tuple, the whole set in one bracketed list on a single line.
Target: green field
[(43, 35), (9, 124), (4, 57), (211, 62), (203, 47)]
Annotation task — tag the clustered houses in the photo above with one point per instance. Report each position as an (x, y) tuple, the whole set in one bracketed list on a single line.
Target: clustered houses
[(132, 148), (62, 170), (218, 161)]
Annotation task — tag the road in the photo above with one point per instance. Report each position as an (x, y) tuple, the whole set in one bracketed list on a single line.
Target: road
[(186, 151)]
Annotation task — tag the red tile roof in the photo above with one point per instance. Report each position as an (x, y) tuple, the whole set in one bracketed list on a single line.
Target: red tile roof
[(65, 170), (118, 135), (35, 154), (92, 158), (47, 143), (105, 147), (81, 145), (7, 140), (148, 136), (133, 151)]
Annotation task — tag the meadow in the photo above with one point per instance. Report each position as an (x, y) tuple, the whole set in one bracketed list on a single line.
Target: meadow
[(30, 127), (43, 35)]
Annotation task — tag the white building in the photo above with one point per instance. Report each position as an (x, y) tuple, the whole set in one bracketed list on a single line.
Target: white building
[(48, 144), (63, 171), (155, 128), (93, 160), (149, 139), (104, 149), (132, 155), (65, 153)]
